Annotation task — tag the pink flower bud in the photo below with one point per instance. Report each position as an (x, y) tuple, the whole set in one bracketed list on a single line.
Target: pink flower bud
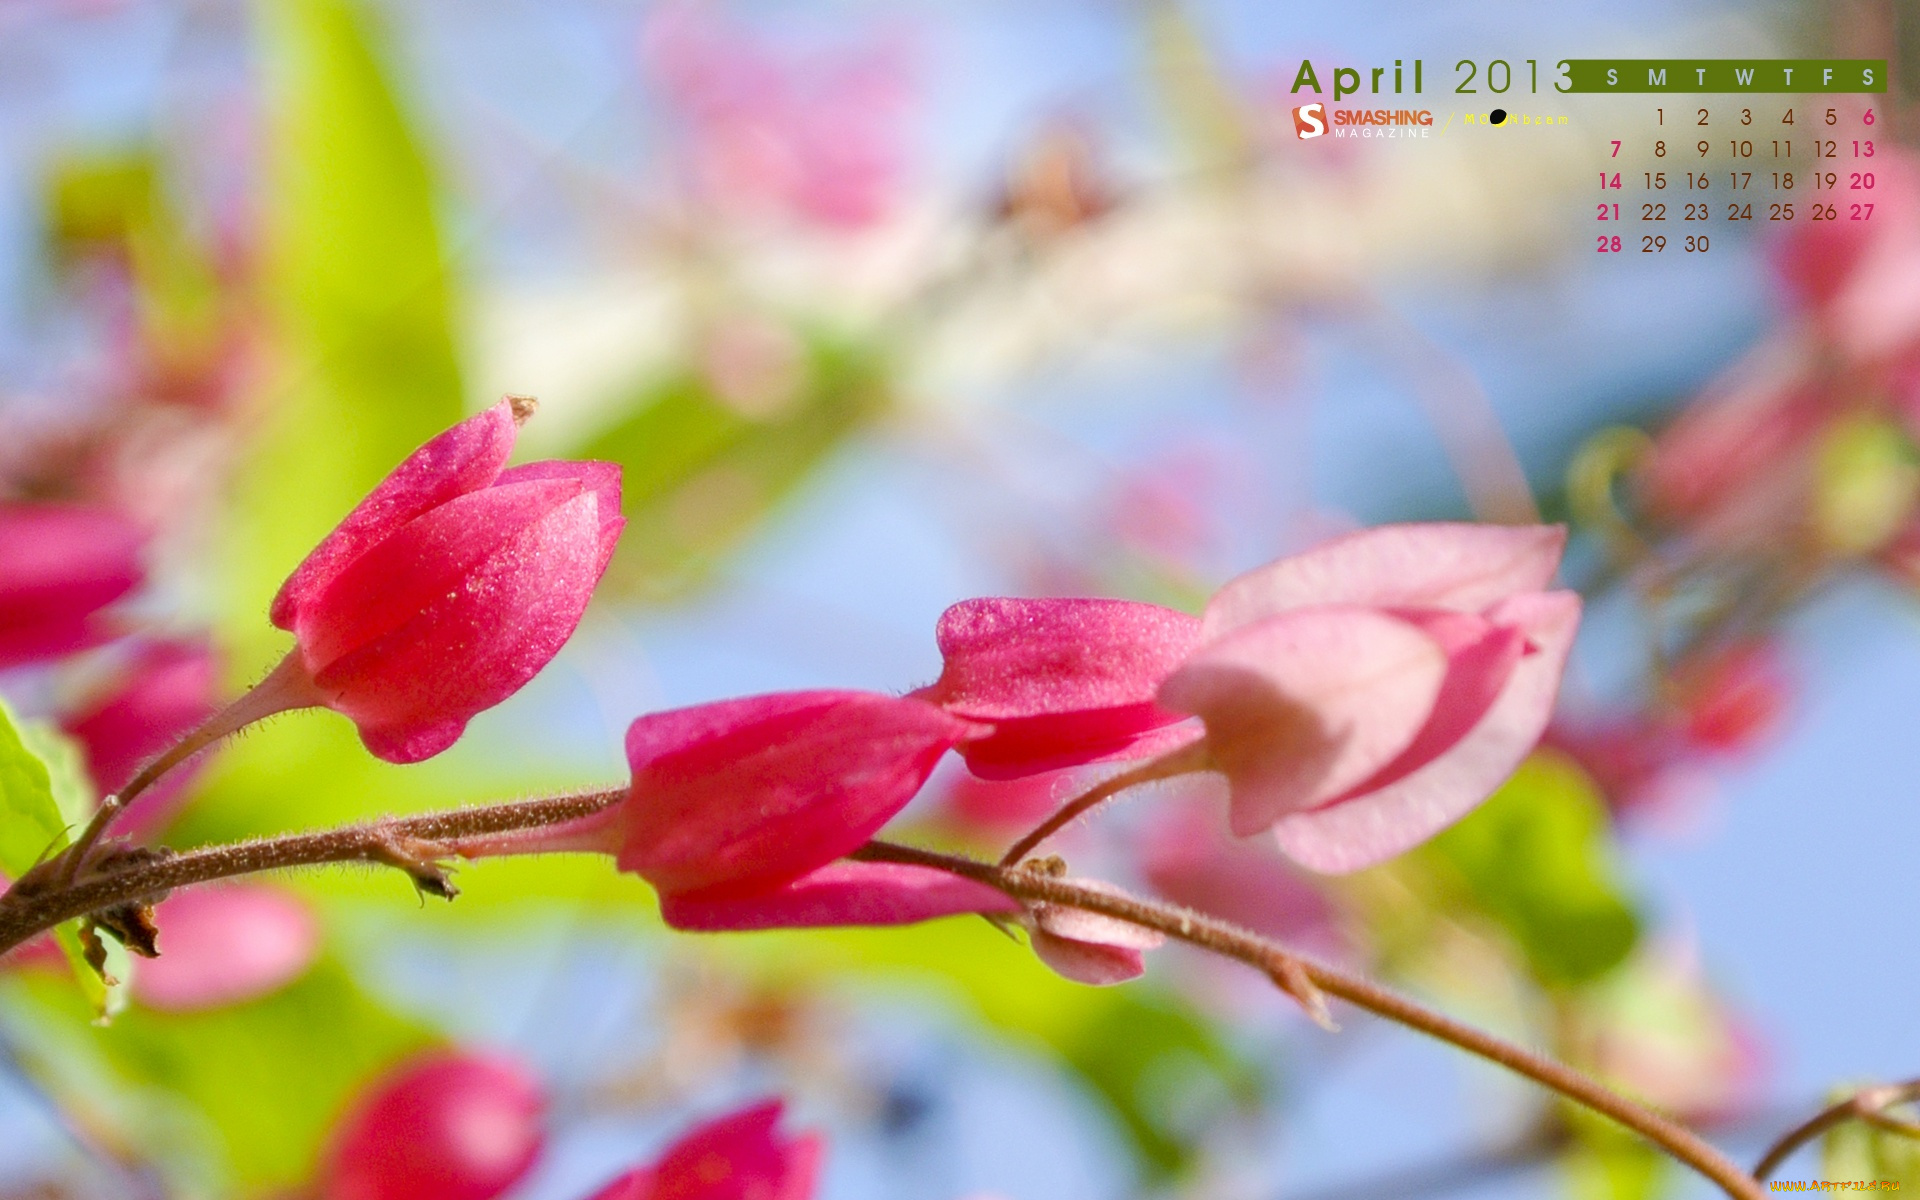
[(847, 893), (1364, 695), (167, 689), (60, 564), (1061, 681), (449, 1125), (450, 585), (225, 945), (738, 1157), (742, 796)]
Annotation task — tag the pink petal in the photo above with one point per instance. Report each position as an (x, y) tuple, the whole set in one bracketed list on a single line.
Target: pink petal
[(600, 478), (637, 1184), (224, 945), (1433, 565), (464, 459), (418, 564), (412, 691), (1302, 706), (845, 893), (1063, 681), (1095, 963), (739, 1157), (1370, 828), (751, 793)]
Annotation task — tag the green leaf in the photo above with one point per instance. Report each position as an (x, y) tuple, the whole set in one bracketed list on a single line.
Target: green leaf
[(31, 824), (1607, 1163), (1536, 858), (362, 302), (700, 473), (1856, 1150)]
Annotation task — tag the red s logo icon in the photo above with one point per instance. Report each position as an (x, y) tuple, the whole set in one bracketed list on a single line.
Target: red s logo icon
[(1309, 120)]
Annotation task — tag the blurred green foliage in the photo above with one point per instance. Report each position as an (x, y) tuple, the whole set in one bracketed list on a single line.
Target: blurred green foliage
[(1537, 858), (223, 1074), (701, 472), (1857, 1150)]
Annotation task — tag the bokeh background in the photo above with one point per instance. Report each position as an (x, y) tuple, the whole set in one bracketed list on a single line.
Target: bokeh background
[(885, 306)]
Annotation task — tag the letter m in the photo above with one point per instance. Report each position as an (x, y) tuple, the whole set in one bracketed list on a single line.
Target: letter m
[(1656, 78)]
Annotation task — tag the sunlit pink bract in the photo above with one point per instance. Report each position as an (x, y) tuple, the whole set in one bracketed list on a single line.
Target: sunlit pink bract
[(742, 796), (1061, 681), (450, 585)]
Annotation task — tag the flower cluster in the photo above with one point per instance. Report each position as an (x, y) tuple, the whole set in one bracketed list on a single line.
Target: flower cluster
[(1356, 698)]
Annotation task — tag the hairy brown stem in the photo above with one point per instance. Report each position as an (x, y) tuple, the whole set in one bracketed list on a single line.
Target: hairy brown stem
[(1867, 1104), (285, 687), (29, 910), (410, 842), (1183, 761), (1278, 963)]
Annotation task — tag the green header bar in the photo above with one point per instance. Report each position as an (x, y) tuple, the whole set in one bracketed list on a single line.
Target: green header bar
[(1795, 75)]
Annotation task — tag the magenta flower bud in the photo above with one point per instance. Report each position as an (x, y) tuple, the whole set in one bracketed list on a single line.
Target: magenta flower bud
[(846, 893), (226, 945), (1062, 682), (449, 1125), (737, 1157), (743, 796), (448, 587), (166, 690), (60, 564), (1364, 695)]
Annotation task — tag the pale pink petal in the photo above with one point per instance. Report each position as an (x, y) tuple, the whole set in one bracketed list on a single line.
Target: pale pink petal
[(1431, 565), (1370, 828), (846, 893), (1302, 706), (465, 458), (224, 945), (1094, 963), (1080, 925), (1481, 657)]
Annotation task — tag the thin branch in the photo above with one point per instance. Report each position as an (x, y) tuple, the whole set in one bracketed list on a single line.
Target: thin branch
[(1280, 964), (31, 907), (1187, 759), (286, 687), (1867, 1104)]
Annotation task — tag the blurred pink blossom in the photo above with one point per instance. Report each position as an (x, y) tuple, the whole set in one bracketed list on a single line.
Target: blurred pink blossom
[(60, 564), (740, 1156), (165, 690), (817, 136), (225, 945)]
